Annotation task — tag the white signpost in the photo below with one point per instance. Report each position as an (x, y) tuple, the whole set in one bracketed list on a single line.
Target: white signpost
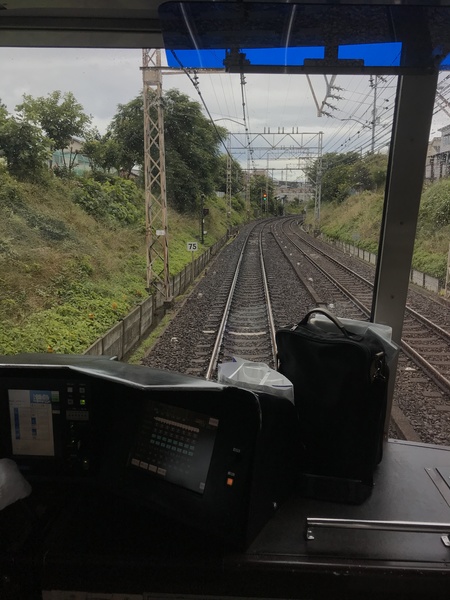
[(192, 247), (447, 277)]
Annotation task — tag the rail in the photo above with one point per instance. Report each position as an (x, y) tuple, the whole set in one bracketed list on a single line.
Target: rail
[(244, 330)]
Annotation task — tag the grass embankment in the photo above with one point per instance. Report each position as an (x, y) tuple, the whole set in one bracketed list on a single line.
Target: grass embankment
[(357, 221), (71, 266)]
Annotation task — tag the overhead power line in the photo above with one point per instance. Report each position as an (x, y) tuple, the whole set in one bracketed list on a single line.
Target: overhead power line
[(195, 82), (246, 119), (376, 115)]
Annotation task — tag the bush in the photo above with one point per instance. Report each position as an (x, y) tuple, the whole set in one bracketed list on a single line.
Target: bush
[(431, 264), (13, 198), (116, 202), (435, 205)]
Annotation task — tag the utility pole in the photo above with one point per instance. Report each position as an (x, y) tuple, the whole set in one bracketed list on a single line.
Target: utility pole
[(228, 186), (318, 190), (202, 218), (155, 176), (247, 188), (374, 85), (157, 242)]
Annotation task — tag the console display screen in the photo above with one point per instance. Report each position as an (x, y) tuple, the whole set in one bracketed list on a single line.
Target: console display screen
[(175, 444), (31, 421)]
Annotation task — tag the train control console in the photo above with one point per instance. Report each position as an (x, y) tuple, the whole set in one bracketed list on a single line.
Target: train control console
[(215, 460), (143, 483)]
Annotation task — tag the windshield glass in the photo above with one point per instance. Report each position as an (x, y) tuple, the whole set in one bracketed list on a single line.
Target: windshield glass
[(77, 253)]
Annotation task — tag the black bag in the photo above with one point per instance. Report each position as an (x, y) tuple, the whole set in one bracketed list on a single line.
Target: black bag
[(340, 388)]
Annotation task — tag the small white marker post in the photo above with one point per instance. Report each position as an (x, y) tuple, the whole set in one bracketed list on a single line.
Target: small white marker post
[(447, 276), (192, 247)]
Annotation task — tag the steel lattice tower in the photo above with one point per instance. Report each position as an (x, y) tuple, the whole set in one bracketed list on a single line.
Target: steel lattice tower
[(155, 176)]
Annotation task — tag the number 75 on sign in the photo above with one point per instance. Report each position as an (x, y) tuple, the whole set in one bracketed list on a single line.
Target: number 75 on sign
[(192, 246)]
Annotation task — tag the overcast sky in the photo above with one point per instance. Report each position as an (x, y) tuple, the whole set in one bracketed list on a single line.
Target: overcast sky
[(102, 79)]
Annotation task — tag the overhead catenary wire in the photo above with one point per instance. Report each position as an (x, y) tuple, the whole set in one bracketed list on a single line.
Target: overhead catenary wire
[(246, 120), (357, 136), (357, 116), (217, 97), (195, 83), (364, 138), (361, 130)]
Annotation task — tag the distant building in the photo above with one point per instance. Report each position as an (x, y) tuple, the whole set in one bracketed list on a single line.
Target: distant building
[(71, 156), (434, 147), (291, 190), (437, 163)]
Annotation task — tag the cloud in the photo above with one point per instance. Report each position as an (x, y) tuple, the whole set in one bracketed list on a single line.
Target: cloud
[(100, 79)]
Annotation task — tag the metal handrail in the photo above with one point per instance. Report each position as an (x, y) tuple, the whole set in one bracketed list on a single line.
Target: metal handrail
[(404, 526)]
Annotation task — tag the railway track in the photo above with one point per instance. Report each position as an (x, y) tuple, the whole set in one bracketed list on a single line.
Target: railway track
[(231, 316), (192, 339), (425, 345), (247, 328), (425, 342)]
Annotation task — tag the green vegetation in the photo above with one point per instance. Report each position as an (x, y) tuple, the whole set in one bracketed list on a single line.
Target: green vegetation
[(114, 201), (355, 221), (60, 117), (193, 147), (356, 218), (433, 233), (65, 277), (24, 148), (72, 248), (72, 260), (346, 174)]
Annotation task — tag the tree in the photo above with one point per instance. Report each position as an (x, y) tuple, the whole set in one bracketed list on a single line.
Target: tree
[(337, 178), (193, 150), (103, 152), (3, 118), (60, 116), (3, 113), (192, 146), (344, 174), (25, 149), (127, 132), (377, 167), (237, 182)]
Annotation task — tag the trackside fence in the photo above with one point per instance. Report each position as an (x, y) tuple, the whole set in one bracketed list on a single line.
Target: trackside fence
[(127, 333), (433, 284)]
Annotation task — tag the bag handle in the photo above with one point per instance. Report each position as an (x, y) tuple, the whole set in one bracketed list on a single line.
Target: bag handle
[(327, 313)]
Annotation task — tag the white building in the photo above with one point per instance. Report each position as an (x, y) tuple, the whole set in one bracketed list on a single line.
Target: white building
[(294, 189), (437, 163)]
